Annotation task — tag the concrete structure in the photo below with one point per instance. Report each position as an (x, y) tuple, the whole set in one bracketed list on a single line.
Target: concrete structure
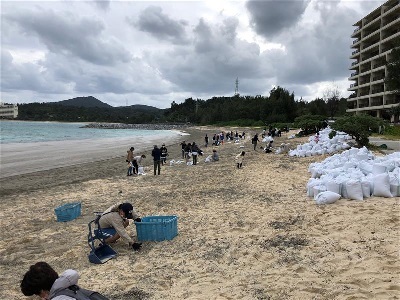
[(373, 42), (8, 111)]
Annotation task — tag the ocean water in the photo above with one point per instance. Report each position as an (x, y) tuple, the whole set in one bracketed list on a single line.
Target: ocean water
[(32, 132)]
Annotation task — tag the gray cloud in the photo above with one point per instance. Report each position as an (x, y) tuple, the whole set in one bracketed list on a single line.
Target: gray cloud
[(102, 4), (269, 18), (65, 34), (219, 58), (161, 26), (27, 76), (317, 54)]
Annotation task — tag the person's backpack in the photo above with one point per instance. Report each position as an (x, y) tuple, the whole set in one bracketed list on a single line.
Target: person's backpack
[(78, 293)]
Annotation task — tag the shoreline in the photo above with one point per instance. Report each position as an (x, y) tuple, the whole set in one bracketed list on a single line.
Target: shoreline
[(44, 168)]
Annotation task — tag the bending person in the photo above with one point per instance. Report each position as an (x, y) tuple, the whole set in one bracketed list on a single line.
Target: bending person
[(115, 219)]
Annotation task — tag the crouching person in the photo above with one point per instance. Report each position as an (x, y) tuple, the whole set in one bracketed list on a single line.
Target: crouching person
[(114, 221), (42, 280)]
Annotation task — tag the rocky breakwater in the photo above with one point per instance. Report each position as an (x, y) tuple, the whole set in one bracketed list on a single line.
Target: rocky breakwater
[(135, 126)]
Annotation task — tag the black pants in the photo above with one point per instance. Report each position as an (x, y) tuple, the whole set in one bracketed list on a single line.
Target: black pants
[(194, 159), (163, 160), (157, 166), (135, 167)]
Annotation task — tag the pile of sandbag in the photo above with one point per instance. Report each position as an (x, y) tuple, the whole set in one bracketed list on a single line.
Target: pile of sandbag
[(354, 174), (325, 145)]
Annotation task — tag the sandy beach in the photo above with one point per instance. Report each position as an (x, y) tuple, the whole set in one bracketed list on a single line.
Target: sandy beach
[(243, 234)]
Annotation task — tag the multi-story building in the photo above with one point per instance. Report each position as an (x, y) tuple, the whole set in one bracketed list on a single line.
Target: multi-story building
[(8, 111), (373, 42)]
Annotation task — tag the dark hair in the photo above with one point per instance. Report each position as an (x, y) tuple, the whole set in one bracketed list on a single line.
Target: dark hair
[(39, 277), (143, 156), (243, 153)]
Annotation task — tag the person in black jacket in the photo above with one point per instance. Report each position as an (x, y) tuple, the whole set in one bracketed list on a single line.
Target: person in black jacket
[(164, 154), (254, 141), (156, 153)]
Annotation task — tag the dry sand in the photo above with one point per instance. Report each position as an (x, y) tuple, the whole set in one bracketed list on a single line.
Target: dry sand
[(243, 234)]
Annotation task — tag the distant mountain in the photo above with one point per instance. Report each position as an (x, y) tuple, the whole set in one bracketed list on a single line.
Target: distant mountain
[(143, 108), (83, 102)]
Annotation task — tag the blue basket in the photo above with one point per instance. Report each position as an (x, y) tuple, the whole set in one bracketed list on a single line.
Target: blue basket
[(68, 212), (157, 228)]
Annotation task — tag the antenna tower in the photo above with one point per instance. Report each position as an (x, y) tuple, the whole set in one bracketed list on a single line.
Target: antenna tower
[(237, 86)]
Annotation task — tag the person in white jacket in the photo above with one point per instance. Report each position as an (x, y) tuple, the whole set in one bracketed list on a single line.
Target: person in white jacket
[(42, 280)]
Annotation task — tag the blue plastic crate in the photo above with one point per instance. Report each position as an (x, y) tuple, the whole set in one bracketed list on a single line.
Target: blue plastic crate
[(68, 212), (157, 228)]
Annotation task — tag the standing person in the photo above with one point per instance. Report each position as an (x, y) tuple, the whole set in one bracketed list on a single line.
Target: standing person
[(243, 135), (129, 160), (239, 159), (156, 153), (214, 138), (183, 146), (188, 150), (195, 152), (254, 141), (42, 280), (164, 154), (206, 140), (115, 219), (139, 160)]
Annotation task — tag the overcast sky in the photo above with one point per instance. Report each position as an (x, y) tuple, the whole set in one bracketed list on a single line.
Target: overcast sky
[(156, 52)]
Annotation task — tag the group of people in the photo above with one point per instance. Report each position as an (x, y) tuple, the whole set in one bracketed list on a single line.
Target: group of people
[(134, 162), (219, 138), (191, 150)]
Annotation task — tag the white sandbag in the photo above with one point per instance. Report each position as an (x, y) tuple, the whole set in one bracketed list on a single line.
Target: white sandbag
[(354, 190), (318, 189), (208, 158), (366, 188), (395, 189), (382, 186), (326, 197), (171, 162), (365, 167), (378, 169), (141, 171), (332, 186), (189, 163), (362, 156), (310, 186)]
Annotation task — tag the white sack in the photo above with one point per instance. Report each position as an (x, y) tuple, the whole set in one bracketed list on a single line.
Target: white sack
[(382, 186), (327, 197), (354, 190), (332, 186), (378, 169), (318, 189), (366, 188)]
